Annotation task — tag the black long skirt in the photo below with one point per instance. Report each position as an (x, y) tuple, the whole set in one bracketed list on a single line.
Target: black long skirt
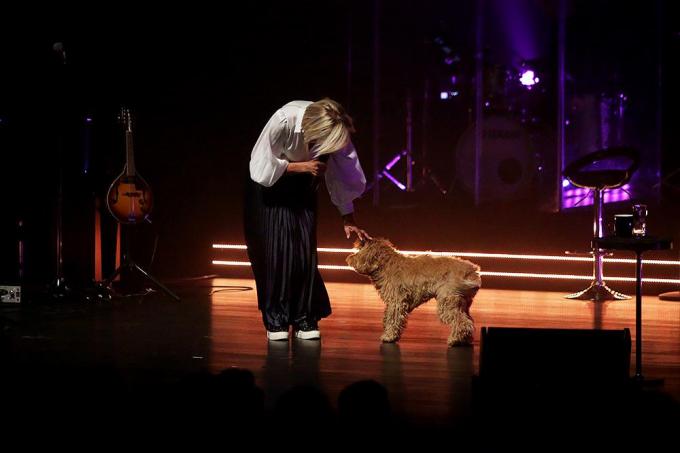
[(280, 232)]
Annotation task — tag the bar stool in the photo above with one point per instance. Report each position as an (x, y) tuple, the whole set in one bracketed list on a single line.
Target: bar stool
[(608, 168)]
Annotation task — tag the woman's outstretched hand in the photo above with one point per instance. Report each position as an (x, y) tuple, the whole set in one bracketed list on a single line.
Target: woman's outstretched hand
[(352, 228), (361, 234)]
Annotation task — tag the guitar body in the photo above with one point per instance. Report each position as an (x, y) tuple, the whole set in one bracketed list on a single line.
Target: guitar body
[(130, 199)]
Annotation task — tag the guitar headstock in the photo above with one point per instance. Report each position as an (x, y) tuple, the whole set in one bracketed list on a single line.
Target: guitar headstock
[(125, 117)]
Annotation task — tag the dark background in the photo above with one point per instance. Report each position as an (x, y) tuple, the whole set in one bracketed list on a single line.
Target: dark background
[(202, 82)]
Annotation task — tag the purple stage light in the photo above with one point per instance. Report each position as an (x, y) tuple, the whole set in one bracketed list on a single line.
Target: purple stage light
[(386, 171), (394, 161), (394, 180), (528, 78)]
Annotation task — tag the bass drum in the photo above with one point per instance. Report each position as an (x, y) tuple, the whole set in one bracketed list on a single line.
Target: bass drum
[(506, 169)]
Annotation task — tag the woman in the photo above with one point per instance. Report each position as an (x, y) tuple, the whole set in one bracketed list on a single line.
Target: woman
[(301, 142)]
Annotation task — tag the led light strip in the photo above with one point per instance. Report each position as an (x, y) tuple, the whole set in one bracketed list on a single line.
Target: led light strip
[(494, 274), (247, 263), (584, 259)]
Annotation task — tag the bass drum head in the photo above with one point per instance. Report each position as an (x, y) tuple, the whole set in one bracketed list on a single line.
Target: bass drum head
[(506, 169)]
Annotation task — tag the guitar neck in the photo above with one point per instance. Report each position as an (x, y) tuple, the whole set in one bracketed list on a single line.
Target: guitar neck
[(129, 154)]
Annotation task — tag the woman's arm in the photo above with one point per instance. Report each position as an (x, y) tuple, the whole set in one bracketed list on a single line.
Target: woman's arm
[(313, 166), (345, 179), (266, 164), (346, 182)]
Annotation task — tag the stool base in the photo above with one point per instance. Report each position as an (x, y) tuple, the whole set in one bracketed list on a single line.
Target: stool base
[(598, 292)]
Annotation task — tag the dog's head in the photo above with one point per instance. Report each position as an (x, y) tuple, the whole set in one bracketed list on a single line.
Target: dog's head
[(370, 255)]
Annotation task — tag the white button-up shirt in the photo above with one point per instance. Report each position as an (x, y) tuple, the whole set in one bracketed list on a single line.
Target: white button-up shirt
[(282, 141)]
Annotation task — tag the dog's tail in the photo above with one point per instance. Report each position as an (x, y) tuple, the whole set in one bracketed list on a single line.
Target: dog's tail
[(472, 281)]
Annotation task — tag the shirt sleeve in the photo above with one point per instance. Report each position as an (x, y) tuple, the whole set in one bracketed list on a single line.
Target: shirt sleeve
[(266, 164), (345, 179)]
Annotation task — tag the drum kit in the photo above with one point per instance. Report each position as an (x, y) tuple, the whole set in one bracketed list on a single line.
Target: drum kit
[(517, 155), (509, 163)]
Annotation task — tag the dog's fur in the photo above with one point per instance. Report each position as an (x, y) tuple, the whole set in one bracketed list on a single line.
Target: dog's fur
[(405, 282)]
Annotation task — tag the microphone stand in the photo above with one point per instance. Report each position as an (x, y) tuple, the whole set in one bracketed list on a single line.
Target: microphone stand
[(58, 289)]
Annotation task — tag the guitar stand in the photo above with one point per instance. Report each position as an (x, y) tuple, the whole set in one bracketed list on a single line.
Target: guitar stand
[(129, 263)]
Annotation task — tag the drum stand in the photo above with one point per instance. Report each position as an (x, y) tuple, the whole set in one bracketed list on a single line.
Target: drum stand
[(407, 154)]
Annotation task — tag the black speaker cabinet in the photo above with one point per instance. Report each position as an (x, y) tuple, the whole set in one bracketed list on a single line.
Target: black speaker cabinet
[(551, 356)]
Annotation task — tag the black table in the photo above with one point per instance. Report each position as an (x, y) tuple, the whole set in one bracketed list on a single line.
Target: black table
[(639, 246)]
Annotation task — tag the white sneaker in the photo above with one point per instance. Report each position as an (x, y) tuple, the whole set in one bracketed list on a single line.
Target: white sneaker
[(277, 336), (307, 330), (308, 334)]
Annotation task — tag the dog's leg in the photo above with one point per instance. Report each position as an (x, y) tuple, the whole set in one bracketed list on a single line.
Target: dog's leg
[(454, 311), (394, 322)]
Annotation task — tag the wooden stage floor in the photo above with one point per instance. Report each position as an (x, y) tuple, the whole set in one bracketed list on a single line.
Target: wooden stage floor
[(424, 378)]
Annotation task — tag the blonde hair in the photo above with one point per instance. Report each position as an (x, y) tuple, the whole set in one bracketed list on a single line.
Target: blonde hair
[(326, 123)]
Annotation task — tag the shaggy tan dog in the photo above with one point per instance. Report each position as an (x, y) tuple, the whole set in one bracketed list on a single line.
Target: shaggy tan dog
[(405, 282)]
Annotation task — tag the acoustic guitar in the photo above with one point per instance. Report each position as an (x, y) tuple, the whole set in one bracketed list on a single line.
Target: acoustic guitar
[(129, 198)]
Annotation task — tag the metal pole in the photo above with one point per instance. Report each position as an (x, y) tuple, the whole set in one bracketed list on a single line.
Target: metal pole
[(660, 15), (638, 316), (479, 97), (561, 105), (598, 200), (376, 102), (424, 124), (348, 95), (20, 229), (409, 142)]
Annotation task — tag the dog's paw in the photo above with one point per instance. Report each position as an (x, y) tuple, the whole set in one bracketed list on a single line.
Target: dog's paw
[(385, 338), (460, 343)]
